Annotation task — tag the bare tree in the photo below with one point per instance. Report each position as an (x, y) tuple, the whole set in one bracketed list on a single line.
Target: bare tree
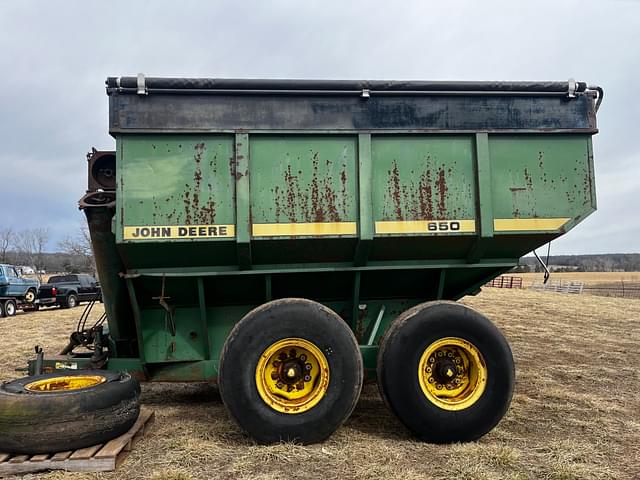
[(30, 245), (6, 242), (79, 247)]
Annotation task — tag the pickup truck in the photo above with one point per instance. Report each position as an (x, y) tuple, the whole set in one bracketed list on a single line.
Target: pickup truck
[(15, 290), (67, 291)]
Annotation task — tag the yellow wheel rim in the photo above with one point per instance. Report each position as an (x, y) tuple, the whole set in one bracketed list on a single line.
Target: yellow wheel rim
[(452, 373), (65, 383), (292, 375)]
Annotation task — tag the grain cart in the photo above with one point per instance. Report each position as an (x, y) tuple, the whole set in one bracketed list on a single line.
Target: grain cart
[(289, 239)]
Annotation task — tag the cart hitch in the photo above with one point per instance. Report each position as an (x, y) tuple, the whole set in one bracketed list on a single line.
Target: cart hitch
[(39, 360), (76, 339), (99, 357)]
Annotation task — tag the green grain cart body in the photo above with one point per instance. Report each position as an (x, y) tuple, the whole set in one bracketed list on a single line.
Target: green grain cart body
[(368, 197)]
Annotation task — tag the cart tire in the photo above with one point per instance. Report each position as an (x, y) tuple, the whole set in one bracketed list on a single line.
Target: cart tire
[(10, 308), (1, 309), (293, 343), (81, 409), (30, 296), (446, 372)]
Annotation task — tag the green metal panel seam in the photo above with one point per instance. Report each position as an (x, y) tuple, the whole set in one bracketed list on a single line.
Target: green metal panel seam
[(364, 177), (224, 270), (119, 223), (351, 131), (483, 172), (592, 180), (136, 318), (203, 319), (243, 216), (484, 196), (441, 280), (267, 288), (355, 303), (365, 199)]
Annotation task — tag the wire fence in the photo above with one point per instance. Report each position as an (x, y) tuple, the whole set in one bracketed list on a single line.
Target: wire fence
[(621, 289), (616, 290), (561, 286), (505, 281)]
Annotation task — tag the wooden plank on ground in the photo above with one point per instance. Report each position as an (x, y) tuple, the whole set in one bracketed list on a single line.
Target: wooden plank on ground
[(120, 458), (115, 446), (82, 460), (150, 418), (60, 456), (85, 452), (19, 459), (39, 458), (90, 465)]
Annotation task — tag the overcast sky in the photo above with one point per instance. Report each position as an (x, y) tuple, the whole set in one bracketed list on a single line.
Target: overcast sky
[(55, 57)]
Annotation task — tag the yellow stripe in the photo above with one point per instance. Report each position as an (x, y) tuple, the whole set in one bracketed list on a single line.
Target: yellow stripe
[(528, 224), (303, 229), (422, 226), (172, 232)]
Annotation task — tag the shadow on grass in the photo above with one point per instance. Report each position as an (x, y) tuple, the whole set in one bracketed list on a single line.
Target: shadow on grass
[(370, 417), (176, 394)]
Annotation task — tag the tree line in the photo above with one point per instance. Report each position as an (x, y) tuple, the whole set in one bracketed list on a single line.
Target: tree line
[(74, 255), (605, 262), (28, 248)]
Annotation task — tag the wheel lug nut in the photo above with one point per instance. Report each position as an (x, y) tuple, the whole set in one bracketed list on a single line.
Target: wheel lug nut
[(279, 384), (431, 380), (274, 375), (292, 353), (282, 356), (300, 386), (431, 359), (439, 386), (428, 369), (276, 364), (303, 357), (307, 367), (307, 378)]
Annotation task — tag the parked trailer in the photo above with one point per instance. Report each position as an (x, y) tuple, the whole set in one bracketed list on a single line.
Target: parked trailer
[(10, 305), (16, 291), (289, 238)]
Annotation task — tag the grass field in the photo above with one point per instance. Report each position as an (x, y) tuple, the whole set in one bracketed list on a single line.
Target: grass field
[(590, 278), (575, 412)]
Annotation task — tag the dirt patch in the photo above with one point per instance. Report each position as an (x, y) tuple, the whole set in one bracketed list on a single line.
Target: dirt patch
[(575, 413)]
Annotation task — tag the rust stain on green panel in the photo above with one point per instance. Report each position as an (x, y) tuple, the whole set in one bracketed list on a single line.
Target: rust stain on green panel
[(178, 180), (540, 176), (423, 177), (306, 178)]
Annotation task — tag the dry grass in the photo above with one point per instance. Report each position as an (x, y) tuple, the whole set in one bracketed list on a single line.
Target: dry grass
[(590, 278), (575, 413)]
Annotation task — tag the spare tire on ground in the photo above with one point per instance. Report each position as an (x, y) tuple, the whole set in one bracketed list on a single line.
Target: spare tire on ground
[(67, 410)]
